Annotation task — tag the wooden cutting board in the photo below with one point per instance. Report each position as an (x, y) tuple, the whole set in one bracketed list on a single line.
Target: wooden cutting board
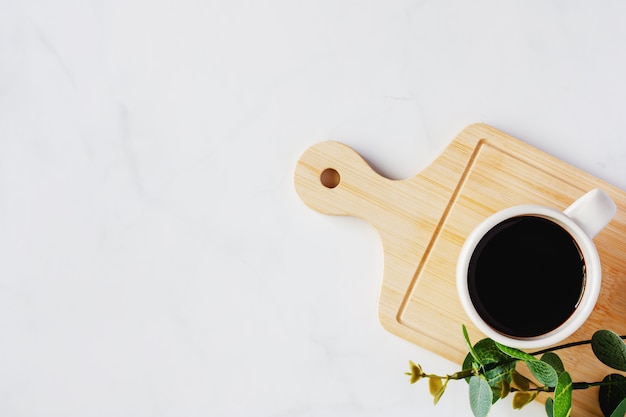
[(424, 220)]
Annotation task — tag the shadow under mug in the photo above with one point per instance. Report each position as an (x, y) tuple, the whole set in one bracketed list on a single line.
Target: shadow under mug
[(529, 276)]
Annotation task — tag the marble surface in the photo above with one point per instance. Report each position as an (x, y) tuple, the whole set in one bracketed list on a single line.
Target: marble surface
[(155, 259)]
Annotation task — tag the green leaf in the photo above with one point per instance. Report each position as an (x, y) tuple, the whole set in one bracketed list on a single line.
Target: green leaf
[(520, 381), (499, 379), (553, 360), (437, 388), (612, 393), (515, 353), (563, 396), (416, 372), (522, 399), (543, 372), (505, 389), (610, 349), (620, 411), (480, 396), (496, 366), (489, 353), (470, 347), (549, 407), (434, 385)]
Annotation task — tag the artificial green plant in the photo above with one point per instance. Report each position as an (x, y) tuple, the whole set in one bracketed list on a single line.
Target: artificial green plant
[(491, 370)]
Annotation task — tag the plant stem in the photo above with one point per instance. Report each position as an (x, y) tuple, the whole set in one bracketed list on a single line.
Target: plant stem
[(541, 352), (457, 375), (466, 373), (565, 346), (575, 386)]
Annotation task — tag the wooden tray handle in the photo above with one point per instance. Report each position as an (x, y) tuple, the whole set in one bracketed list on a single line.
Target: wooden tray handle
[(333, 179)]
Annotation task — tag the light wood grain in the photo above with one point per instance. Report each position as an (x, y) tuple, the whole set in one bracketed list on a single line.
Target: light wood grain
[(424, 220)]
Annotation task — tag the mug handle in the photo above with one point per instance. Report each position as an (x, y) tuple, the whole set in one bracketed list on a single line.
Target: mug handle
[(592, 212)]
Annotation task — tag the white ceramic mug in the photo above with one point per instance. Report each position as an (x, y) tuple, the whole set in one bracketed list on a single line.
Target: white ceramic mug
[(489, 243)]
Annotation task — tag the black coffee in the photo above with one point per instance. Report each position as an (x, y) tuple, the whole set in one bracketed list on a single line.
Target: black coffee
[(526, 276)]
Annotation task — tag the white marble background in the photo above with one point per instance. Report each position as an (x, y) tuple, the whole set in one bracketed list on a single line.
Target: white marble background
[(154, 257)]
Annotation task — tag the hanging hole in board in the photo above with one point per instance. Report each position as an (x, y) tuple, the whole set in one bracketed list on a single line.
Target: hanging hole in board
[(330, 178)]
